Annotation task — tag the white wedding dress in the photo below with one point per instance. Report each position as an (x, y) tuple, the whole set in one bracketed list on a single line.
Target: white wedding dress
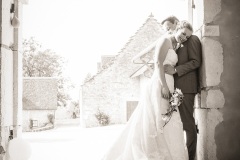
[(144, 138)]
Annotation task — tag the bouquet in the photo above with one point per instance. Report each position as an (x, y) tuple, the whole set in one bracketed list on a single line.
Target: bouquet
[(174, 101)]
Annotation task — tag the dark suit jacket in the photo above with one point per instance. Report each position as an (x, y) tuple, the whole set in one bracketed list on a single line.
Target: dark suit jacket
[(189, 61)]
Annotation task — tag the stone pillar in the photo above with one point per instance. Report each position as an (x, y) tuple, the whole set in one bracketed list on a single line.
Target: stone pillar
[(208, 114)]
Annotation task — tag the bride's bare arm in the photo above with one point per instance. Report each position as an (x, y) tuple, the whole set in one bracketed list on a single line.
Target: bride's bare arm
[(161, 50)]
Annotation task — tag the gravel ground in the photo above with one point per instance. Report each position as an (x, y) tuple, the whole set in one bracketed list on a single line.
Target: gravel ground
[(71, 142)]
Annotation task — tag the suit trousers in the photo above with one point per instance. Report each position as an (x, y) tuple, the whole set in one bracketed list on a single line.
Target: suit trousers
[(186, 112)]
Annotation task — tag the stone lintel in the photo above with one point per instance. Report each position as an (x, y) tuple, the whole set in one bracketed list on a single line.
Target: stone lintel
[(210, 31)]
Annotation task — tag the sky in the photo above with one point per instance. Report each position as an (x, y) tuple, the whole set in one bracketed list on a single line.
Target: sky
[(83, 30)]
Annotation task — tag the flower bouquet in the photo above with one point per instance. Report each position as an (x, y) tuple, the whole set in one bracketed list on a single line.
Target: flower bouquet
[(174, 101)]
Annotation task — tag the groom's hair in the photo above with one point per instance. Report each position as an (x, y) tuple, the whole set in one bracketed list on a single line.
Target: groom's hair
[(184, 24), (171, 19)]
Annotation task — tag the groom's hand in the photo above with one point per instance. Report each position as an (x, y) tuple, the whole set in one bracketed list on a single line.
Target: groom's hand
[(169, 69)]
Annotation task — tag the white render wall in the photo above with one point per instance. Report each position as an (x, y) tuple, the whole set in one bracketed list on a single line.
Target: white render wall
[(10, 73), (6, 100)]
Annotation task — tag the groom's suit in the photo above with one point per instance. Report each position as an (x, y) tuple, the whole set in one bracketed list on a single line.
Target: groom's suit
[(187, 79)]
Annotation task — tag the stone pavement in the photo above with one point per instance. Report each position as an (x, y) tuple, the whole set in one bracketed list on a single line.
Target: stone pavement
[(71, 142)]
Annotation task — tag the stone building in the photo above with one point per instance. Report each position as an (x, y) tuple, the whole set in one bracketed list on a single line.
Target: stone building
[(216, 22), (112, 90), (39, 103)]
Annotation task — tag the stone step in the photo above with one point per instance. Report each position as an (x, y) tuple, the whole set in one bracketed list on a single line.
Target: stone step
[(47, 127)]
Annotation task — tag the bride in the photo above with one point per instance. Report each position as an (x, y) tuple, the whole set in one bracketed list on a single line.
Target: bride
[(146, 137)]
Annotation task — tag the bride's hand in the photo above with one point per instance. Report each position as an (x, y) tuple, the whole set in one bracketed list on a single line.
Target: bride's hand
[(165, 92), (169, 69)]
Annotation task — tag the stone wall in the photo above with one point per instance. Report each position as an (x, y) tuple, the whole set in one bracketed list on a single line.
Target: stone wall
[(218, 116), (227, 137), (111, 88)]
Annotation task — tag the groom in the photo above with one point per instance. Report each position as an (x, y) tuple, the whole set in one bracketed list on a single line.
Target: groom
[(186, 79)]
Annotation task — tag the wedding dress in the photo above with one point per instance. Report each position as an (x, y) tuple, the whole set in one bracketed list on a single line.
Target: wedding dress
[(144, 137)]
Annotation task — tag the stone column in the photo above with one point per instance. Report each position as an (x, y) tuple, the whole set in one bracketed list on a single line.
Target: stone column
[(208, 114)]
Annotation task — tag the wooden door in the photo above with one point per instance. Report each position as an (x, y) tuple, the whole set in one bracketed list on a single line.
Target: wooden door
[(131, 105)]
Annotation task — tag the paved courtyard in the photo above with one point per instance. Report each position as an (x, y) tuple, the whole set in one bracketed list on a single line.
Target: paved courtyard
[(71, 142)]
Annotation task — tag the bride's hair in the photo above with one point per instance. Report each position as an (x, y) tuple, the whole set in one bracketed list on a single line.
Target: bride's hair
[(184, 24)]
